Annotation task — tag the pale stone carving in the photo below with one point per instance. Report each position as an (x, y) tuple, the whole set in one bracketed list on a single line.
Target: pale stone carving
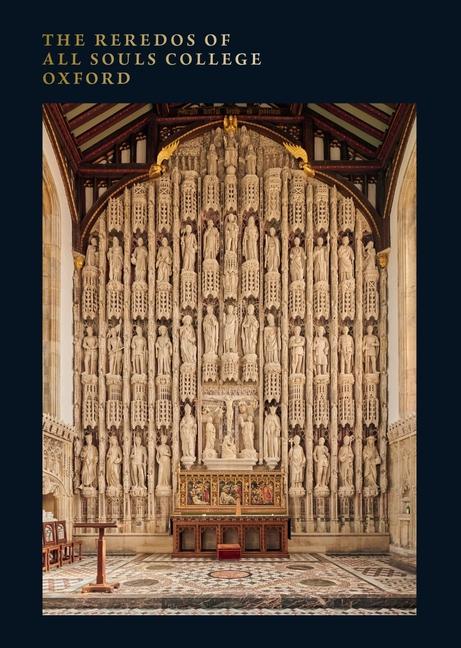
[(320, 257), (188, 341), (139, 260), (210, 438), (250, 241), (232, 232), (297, 461), (248, 431), (90, 356), (164, 350), (321, 458), (115, 258), (188, 433), (371, 459), (138, 462), (115, 347), (210, 241), (230, 151), (113, 463), (271, 341), (346, 351), (230, 283), (370, 282), (297, 345), (250, 326), (345, 260), (230, 330), (346, 466), (370, 348), (139, 352), (92, 257), (164, 263), (250, 160), (189, 249), (210, 332), (89, 457), (321, 351), (272, 252), (212, 159), (163, 456), (297, 261), (272, 429), (228, 450)]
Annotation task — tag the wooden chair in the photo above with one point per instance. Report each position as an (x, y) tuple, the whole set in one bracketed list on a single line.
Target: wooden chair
[(45, 559), (52, 546), (71, 549)]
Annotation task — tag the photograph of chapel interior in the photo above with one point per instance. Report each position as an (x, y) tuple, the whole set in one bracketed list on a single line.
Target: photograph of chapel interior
[(229, 359)]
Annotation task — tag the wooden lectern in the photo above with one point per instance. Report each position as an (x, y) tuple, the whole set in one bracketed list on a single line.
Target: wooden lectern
[(101, 585)]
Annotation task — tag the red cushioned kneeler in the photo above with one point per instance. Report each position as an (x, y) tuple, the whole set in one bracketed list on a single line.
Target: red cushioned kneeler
[(229, 551)]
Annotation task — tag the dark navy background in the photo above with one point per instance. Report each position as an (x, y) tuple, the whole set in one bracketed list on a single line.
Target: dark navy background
[(358, 51)]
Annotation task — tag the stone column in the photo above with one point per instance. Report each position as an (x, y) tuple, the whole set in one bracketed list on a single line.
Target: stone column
[(102, 326), (79, 261), (334, 363), (127, 333), (175, 333), (198, 400), (383, 258), (284, 326), (151, 338), (262, 322), (309, 328), (358, 371)]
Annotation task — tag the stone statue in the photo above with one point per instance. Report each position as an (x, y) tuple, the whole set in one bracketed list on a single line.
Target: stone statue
[(188, 432), (250, 326), (321, 350), (272, 434), (297, 261), (346, 462), (251, 160), (210, 241), (212, 159), (250, 241), (320, 261), (138, 461), (230, 330), (271, 341), (139, 352), (210, 438), (89, 456), (230, 283), (189, 249), (188, 340), (232, 232), (248, 434), (346, 351), (113, 462), (297, 461), (163, 457), (164, 263), (114, 348), (164, 350), (218, 138), (228, 450), (371, 459), (139, 260), (321, 458), (115, 257), (91, 257), (230, 152), (272, 252), (244, 139), (370, 347), (77, 460), (210, 331), (296, 345), (369, 261), (90, 348), (345, 260)]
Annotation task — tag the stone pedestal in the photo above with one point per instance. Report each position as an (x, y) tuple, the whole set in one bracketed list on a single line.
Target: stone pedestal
[(224, 465), (230, 367)]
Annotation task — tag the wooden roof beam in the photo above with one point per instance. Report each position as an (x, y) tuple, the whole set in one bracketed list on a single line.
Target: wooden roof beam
[(107, 123)]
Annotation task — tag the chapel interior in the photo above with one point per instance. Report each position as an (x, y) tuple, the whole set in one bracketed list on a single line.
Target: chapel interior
[(229, 351)]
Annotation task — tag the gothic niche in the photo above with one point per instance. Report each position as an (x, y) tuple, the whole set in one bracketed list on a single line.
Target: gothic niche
[(231, 315)]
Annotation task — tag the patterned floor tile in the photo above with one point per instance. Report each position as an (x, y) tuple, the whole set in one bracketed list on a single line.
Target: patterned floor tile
[(230, 612)]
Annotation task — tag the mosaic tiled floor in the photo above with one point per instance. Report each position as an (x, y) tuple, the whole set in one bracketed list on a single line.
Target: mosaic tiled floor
[(231, 612), (301, 581)]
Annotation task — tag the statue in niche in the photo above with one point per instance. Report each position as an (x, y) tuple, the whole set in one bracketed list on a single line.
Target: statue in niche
[(370, 347), (297, 461), (90, 355), (271, 341), (138, 461), (164, 350), (272, 429), (250, 160), (228, 450), (139, 352), (345, 260), (346, 462), (189, 249), (232, 232), (230, 283), (297, 261), (89, 457), (321, 457), (244, 138), (163, 456), (210, 241), (346, 351), (164, 263), (114, 348), (296, 345), (250, 241), (321, 350), (188, 432), (230, 152), (92, 255), (248, 434), (218, 138), (210, 331), (139, 260), (188, 340), (371, 459), (272, 251), (230, 330), (77, 460), (250, 326), (115, 258), (212, 159), (369, 261), (320, 261), (113, 462), (210, 438)]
